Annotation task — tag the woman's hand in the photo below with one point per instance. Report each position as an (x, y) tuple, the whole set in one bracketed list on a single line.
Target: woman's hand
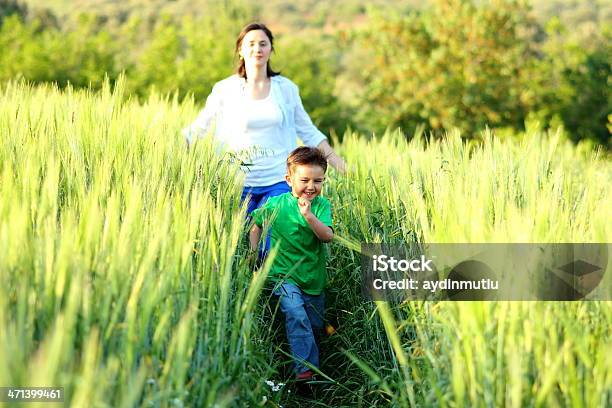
[(332, 158)]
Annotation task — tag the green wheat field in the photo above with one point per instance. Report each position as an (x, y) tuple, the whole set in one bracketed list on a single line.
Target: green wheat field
[(124, 276)]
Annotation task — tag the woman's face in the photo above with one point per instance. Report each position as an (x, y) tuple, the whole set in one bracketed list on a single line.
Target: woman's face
[(256, 48)]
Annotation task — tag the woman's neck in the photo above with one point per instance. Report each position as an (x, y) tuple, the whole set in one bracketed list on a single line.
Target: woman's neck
[(256, 74)]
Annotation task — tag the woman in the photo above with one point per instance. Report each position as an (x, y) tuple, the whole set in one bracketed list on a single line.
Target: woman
[(258, 111)]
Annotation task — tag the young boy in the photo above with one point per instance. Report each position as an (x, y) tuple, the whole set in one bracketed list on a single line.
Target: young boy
[(301, 223)]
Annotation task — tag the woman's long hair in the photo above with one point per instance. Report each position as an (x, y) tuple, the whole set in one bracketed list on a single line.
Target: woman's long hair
[(240, 69)]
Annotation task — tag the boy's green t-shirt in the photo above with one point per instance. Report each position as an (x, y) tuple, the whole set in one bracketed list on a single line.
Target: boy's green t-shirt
[(301, 255)]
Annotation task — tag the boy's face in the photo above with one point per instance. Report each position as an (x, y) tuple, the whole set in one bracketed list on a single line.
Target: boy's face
[(306, 181)]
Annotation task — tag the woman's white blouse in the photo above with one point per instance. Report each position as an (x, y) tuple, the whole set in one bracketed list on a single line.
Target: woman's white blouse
[(233, 115)]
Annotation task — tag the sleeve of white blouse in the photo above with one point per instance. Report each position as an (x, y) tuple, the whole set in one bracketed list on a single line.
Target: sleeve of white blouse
[(306, 130), (201, 125)]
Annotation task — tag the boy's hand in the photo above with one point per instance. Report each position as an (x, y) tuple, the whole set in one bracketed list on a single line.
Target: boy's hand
[(251, 258), (304, 206), (322, 231)]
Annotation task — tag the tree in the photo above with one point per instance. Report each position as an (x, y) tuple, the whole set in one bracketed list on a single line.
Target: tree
[(10, 7), (311, 61), (573, 83), (457, 64), (157, 63)]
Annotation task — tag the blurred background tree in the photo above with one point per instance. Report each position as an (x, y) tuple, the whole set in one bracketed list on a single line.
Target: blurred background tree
[(312, 62), (572, 79), (10, 7), (453, 65)]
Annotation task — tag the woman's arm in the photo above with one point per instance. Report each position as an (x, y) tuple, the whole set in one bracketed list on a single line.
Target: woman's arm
[(200, 126), (332, 157), (311, 136)]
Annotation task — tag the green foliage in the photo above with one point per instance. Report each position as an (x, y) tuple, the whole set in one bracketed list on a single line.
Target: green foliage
[(311, 61), (455, 65), (157, 64), (10, 7), (584, 17), (208, 57), (472, 65), (81, 57), (186, 55), (121, 275), (573, 82), (473, 354), (282, 15)]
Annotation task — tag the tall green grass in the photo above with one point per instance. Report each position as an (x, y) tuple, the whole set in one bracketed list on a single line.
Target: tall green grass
[(537, 188), (123, 276), (120, 274)]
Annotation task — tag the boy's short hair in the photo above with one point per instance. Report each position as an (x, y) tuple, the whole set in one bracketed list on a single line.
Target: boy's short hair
[(305, 156)]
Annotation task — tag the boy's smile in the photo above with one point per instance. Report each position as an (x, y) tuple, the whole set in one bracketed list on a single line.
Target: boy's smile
[(306, 181)]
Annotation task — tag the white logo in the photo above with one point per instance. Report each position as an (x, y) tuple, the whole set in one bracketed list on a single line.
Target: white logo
[(383, 263)]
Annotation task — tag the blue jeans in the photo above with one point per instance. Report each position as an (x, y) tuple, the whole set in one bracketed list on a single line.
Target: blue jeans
[(257, 198), (303, 323)]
